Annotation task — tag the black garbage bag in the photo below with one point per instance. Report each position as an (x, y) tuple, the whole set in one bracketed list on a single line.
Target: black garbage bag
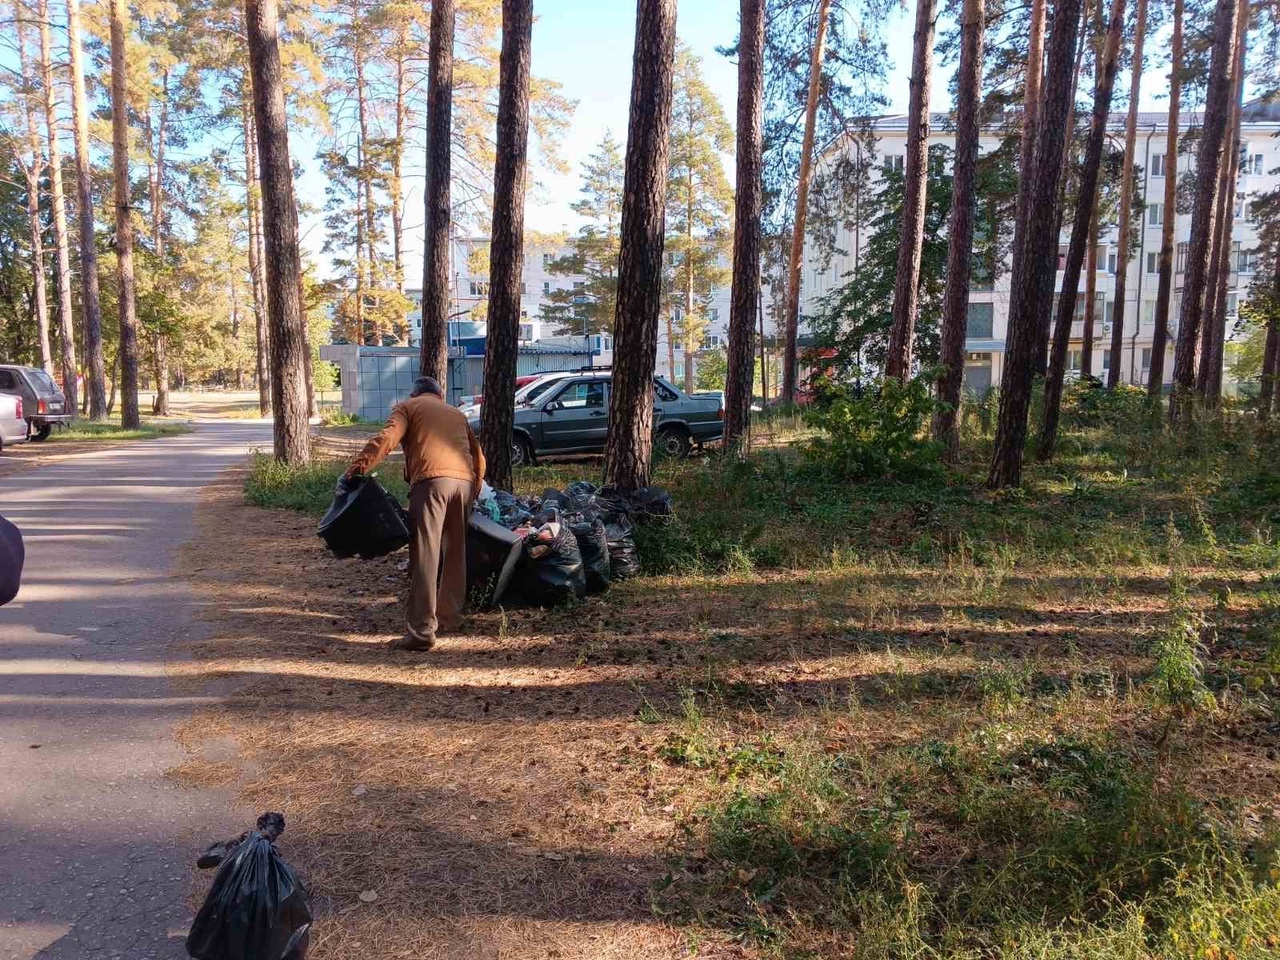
[(551, 572), (593, 542), (581, 496), (363, 520), (12, 555), (257, 908), (511, 509), (624, 558), (650, 505), (493, 553)]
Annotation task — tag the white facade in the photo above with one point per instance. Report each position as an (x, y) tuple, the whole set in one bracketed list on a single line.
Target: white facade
[(989, 306)]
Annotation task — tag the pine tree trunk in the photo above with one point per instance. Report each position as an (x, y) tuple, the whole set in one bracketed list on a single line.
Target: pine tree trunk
[(796, 253), (280, 235), (127, 303), (365, 185), (66, 333), (1027, 145), (955, 295), (1081, 234), (745, 290), (1126, 199), (690, 350), (33, 170), (1270, 380), (159, 346), (1164, 287), (1090, 296), (258, 286), (396, 185), (629, 446), (906, 287), (671, 346), (506, 249), (1213, 342), (1040, 249), (90, 299), (1203, 218), (439, 214)]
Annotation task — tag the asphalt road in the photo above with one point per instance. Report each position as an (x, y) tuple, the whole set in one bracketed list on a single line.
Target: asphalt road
[(95, 844)]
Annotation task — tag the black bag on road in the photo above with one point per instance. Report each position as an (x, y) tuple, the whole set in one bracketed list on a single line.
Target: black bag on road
[(363, 520)]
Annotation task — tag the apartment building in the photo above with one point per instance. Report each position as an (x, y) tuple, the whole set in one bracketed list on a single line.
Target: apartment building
[(989, 304)]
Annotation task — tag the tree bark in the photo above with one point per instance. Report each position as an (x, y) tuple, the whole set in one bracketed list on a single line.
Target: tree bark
[(155, 180), (1090, 295), (128, 309), (1126, 198), (397, 157), (955, 295), (256, 281), (1164, 287), (906, 288), (1203, 217), (796, 253), (629, 445), (90, 299), (1081, 233), (1270, 379), (690, 348), (66, 332), (749, 179), (33, 170), (1027, 145), (506, 244), (280, 235), (1040, 250), (435, 280)]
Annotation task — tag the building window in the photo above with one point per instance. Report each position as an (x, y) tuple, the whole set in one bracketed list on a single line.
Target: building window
[(546, 259), (1157, 165), (479, 288), (1182, 258), (1246, 260), (1146, 359), (1250, 163), (524, 288), (1112, 260), (712, 341), (979, 321), (894, 163), (579, 284), (1155, 214), (1106, 359), (1062, 256), (679, 374), (546, 286), (1153, 262), (1073, 361), (1149, 312), (1233, 303), (526, 331), (715, 314)]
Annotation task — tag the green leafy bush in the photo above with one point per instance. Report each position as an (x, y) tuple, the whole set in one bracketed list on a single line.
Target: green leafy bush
[(877, 433), (1087, 403)]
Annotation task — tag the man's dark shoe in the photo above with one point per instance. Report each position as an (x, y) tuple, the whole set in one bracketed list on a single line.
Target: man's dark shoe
[(415, 644)]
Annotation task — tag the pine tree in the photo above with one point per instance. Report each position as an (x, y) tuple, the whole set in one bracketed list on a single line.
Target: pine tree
[(439, 217), (1027, 142), (126, 306), (628, 448), (497, 414), (745, 291), (34, 170), (1164, 288)]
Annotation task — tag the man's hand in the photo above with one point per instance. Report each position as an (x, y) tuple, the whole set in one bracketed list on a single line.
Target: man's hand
[(353, 471)]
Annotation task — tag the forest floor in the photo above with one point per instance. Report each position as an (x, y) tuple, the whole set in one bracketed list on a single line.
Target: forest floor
[(873, 721)]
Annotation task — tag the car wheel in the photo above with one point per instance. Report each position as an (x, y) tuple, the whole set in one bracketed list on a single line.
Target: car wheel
[(674, 443), (42, 433), (521, 452)]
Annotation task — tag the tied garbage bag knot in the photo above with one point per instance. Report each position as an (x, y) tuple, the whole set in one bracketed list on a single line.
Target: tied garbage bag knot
[(257, 907)]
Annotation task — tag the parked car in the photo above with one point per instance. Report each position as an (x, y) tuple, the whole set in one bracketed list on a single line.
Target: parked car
[(13, 425), (42, 401), (569, 413), (471, 405)]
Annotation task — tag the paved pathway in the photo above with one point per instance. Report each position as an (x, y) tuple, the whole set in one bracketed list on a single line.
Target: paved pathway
[(95, 843)]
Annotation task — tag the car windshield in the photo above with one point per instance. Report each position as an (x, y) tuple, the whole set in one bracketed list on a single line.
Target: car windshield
[(43, 382), (533, 391)]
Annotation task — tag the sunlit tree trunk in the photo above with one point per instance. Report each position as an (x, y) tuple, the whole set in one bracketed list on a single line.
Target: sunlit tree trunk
[(397, 156), (155, 180), (1164, 287), (257, 283), (1270, 381), (1040, 249), (127, 297), (745, 290), (1081, 233), (280, 235), (1203, 218), (629, 446), (1090, 296), (791, 320), (506, 250), (435, 280), (1027, 144), (955, 295), (906, 288), (33, 170)]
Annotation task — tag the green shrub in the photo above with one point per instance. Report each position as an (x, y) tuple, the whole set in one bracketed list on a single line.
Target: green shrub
[(876, 434), (1087, 403)]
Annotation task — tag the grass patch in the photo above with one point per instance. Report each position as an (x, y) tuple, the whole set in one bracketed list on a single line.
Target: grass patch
[(81, 430)]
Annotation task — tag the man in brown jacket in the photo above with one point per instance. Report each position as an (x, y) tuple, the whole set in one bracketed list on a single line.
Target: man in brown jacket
[(444, 465)]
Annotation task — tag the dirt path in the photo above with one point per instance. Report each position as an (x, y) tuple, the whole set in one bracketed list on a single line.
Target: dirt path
[(95, 840)]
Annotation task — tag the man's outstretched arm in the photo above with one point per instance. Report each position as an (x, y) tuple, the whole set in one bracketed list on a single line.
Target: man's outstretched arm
[(376, 450)]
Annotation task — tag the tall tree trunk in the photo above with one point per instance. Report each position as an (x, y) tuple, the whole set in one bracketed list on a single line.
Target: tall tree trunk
[(397, 157), (33, 170), (1090, 295), (155, 179), (1203, 218), (1040, 249), (1081, 233), (955, 296), (906, 287), (745, 291), (629, 446), (435, 279), (690, 348), (128, 307), (1270, 380), (671, 346), (1213, 343), (90, 300), (1027, 145), (66, 333), (365, 186), (257, 283), (1126, 198), (792, 316), (1164, 287), (506, 245), (280, 233)]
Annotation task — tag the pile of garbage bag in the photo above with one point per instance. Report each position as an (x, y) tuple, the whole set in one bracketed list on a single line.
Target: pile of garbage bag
[(575, 542)]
